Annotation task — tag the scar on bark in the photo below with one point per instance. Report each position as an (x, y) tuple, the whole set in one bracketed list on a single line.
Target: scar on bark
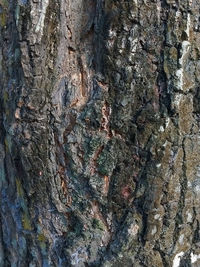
[(64, 187), (105, 119), (98, 215), (83, 78)]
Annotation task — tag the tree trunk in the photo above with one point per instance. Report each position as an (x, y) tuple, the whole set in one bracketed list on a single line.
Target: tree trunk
[(99, 135)]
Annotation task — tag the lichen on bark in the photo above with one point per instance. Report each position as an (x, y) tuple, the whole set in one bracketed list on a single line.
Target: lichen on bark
[(99, 136)]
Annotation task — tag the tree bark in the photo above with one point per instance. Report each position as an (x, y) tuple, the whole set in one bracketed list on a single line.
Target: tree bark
[(99, 136)]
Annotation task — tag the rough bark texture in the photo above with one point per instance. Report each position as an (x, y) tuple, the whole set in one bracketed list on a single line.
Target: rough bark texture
[(100, 142)]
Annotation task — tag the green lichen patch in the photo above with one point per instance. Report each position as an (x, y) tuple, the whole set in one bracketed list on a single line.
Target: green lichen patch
[(41, 238), (4, 3), (26, 222), (7, 142), (97, 224), (20, 191), (3, 12)]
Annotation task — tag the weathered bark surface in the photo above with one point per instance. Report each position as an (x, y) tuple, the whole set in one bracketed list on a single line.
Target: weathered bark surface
[(100, 142)]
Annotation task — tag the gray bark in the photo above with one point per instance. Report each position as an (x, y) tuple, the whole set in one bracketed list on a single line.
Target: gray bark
[(99, 134)]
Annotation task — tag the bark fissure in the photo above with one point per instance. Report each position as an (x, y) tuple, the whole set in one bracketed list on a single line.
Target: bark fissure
[(99, 140)]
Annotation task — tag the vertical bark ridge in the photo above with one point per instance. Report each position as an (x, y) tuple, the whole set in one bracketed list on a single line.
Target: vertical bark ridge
[(99, 133)]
